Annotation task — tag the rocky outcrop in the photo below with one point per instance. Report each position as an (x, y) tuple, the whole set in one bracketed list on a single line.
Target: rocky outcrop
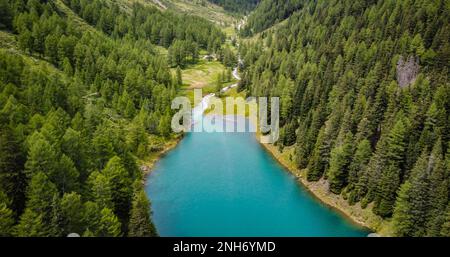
[(407, 71)]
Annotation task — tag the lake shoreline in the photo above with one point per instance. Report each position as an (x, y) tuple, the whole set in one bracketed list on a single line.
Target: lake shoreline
[(355, 214), (150, 164), (319, 190)]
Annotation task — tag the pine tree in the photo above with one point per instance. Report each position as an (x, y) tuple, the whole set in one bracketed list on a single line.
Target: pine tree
[(391, 173), (219, 84), (40, 195), (286, 100), (164, 126), (5, 15), (121, 192), (229, 75), (359, 164), (412, 203), (56, 226), (41, 157), (109, 225), (438, 192), (6, 216), (445, 231), (31, 225), (140, 223), (72, 211), (179, 78), (339, 164), (396, 145), (103, 147), (91, 218), (389, 182), (316, 165), (12, 177), (25, 41), (101, 190), (66, 177)]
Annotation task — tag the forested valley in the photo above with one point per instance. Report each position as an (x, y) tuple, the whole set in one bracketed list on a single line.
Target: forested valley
[(365, 101), (86, 90), (237, 6), (83, 88)]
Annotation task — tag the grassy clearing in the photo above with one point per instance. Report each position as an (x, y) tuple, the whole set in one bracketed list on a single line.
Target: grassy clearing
[(202, 75), (233, 94), (202, 9), (229, 31)]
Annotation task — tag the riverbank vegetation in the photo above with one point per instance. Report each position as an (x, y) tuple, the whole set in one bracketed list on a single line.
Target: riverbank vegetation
[(365, 105), (84, 99)]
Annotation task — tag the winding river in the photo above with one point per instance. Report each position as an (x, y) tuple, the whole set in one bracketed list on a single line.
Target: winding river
[(226, 184)]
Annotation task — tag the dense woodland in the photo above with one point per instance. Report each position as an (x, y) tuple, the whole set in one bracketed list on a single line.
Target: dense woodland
[(365, 101), (237, 6), (85, 95), (269, 13), (82, 88)]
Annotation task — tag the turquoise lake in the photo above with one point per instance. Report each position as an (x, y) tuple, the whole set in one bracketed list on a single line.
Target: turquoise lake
[(226, 184)]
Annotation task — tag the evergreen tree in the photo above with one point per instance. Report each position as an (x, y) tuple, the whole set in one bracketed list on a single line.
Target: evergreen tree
[(40, 195), (339, 164), (179, 78), (12, 177), (438, 192), (101, 190), (445, 231), (164, 126), (391, 174), (357, 167), (219, 84), (31, 225), (41, 157), (68, 98), (5, 14), (72, 213), (91, 218), (6, 216), (66, 177), (389, 182), (109, 225), (410, 209), (119, 180), (140, 223)]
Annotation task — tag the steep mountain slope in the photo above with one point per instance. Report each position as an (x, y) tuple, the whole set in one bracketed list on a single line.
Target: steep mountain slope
[(268, 13), (365, 106), (84, 100), (237, 6), (201, 8)]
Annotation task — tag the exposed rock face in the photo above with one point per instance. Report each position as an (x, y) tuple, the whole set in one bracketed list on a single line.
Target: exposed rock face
[(407, 71)]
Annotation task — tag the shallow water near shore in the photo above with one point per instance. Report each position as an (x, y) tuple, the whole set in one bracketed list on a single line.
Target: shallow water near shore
[(226, 184)]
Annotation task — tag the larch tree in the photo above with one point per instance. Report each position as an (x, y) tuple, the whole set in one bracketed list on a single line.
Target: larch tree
[(140, 223)]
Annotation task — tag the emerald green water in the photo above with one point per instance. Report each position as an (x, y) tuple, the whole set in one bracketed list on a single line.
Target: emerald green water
[(226, 184)]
